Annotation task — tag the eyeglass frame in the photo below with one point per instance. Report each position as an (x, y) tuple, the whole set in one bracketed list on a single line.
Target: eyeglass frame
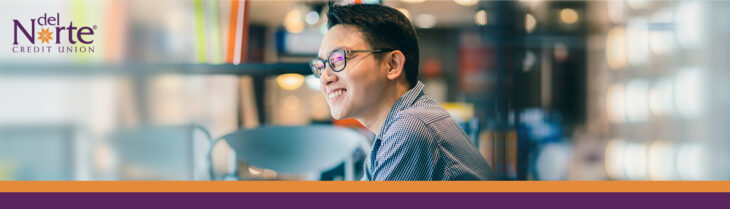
[(347, 52)]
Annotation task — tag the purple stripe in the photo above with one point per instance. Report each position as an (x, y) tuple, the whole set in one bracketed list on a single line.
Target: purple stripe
[(365, 200)]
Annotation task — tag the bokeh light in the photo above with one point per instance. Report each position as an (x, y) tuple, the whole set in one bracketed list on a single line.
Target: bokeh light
[(293, 22), (690, 93), (637, 41), (691, 160), (637, 107), (425, 21), (290, 81), (530, 23), (615, 103), (480, 17), (467, 3), (661, 161), (616, 48), (636, 161), (690, 24), (661, 39), (569, 16), (614, 159), (661, 98)]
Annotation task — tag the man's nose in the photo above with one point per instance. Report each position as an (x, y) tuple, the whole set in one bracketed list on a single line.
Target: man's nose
[(328, 76)]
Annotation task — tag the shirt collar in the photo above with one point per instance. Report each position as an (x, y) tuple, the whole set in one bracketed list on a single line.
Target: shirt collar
[(405, 101)]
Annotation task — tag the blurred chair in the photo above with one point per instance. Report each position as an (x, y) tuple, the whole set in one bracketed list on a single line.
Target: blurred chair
[(37, 152), (298, 149), (162, 152)]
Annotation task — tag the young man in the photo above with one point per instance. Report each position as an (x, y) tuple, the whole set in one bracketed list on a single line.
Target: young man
[(368, 69)]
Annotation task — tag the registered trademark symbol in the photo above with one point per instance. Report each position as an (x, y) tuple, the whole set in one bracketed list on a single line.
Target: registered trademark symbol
[(94, 27)]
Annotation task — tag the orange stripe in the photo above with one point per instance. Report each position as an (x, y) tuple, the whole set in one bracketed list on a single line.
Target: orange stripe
[(232, 31), (244, 34), (313, 186)]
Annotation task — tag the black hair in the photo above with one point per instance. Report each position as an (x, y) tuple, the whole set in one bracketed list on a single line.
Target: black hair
[(383, 27)]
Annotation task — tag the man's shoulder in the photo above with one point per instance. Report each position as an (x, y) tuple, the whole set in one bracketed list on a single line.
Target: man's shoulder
[(416, 122), (418, 116), (424, 114), (425, 109), (417, 119), (428, 115), (409, 121)]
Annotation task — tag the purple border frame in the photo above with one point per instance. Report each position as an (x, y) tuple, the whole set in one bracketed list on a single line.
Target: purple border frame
[(365, 200)]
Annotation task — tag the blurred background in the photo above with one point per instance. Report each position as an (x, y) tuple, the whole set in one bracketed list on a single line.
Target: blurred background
[(546, 90)]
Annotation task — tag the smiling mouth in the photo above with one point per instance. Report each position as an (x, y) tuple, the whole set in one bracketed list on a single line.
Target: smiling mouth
[(336, 93)]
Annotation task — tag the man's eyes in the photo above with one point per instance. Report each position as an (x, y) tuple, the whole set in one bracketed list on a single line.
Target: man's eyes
[(338, 58)]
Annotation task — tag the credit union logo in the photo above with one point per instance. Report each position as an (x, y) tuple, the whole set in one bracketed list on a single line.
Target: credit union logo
[(48, 34)]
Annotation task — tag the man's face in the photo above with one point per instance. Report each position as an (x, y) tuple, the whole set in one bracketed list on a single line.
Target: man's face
[(355, 90)]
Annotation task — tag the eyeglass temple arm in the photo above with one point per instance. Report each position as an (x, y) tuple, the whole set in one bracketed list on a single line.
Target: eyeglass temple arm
[(373, 50)]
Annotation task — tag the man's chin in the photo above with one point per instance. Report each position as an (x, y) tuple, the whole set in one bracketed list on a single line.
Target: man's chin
[(338, 115)]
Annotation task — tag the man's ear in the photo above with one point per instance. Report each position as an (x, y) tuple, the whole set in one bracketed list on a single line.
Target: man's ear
[(395, 62)]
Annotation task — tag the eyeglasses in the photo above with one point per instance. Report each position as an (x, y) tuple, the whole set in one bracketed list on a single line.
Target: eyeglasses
[(337, 60)]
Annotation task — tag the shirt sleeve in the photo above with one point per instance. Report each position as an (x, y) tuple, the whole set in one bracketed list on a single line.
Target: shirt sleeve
[(407, 152)]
